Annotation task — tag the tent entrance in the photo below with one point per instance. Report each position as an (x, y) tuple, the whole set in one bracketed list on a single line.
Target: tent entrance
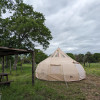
[(55, 72), (55, 69)]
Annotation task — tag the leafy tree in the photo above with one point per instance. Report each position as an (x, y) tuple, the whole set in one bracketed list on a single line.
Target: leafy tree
[(39, 56), (89, 57), (6, 5), (97, 57), (71, 55), (79, 57), (4, 33), (24, 29)]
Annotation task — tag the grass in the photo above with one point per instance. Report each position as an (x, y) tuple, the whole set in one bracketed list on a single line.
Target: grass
[(22, 89), (94, 69)]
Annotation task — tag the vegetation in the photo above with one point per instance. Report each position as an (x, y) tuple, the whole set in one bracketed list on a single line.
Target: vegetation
[(71, 55), (22, 89), (6, 4), (39, 56), (25, 28), (94, 69), (86, 58)]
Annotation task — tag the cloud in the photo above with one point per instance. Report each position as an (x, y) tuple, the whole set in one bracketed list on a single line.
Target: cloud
[(75, 24)]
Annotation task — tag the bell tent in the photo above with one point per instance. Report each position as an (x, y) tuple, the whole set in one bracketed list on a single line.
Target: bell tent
[(60, 67)]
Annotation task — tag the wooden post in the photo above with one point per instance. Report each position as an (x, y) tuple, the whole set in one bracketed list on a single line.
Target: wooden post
[(3, 64), (33, 60), (10, 66), (15, 62)]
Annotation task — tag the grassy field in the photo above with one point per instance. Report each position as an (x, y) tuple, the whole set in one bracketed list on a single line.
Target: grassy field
[(22, 89)]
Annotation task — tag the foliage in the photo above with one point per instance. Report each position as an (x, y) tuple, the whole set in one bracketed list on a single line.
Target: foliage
[(79, 57), (6, 4), (20, 60), (89, 57), (96, 57), (39, 56), (71, 55), (25, 28), (26, 60)]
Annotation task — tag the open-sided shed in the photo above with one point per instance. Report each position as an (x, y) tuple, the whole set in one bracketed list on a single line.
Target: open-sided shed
[(5, 51)]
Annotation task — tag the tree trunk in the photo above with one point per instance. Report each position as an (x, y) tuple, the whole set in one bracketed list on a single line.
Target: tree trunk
[(15, 62), (84, 60), (3, 64), (84, 64), (89, 64), (10, 66), (6, 62)]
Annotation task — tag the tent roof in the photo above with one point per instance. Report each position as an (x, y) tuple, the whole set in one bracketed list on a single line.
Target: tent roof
[(59, 53), (5, 51)]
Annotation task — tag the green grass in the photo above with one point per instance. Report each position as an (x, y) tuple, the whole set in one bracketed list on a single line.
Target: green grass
[(94, 69), (22, 89)]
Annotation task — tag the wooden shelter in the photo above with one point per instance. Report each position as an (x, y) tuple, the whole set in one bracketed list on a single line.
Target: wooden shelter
[(5, 51)]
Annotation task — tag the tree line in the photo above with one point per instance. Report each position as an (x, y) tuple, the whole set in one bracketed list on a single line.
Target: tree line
[(40, 56), (86, 58), (82, 58)]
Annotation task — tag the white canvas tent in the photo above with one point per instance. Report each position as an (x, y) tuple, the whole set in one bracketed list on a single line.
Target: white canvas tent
[(60, 67)]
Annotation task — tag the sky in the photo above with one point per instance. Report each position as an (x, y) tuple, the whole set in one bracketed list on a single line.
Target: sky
[(74, 24)]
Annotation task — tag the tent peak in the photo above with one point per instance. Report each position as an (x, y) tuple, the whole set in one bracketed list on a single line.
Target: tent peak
[(58, 53)]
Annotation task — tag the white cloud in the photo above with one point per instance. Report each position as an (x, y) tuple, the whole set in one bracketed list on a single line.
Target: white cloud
[(75, 24)]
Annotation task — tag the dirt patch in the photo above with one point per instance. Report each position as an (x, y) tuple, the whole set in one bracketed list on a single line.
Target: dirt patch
[(91, 87)]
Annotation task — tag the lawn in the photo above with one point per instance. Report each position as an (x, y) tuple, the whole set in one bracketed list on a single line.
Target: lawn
[(22, 89)]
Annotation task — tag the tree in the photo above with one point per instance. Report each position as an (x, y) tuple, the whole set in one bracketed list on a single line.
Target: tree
[(25, 28), (89, 57), (84, 59), (97, 57), (71, 55), (79, 57), (39, 56), (6, 5)]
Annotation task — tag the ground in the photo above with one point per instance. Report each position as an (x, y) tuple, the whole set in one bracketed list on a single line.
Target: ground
[(22, 89)]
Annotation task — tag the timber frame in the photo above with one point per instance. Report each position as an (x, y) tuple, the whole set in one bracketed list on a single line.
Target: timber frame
[(5, 51)]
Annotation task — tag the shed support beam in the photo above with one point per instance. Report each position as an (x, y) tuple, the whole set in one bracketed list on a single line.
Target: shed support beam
[(33, 62), (3, 64)]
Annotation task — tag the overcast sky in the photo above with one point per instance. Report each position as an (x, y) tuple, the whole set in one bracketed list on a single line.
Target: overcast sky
[(74, 24)]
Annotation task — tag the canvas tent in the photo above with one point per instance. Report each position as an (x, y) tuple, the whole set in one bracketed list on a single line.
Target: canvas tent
[(60, 67)]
